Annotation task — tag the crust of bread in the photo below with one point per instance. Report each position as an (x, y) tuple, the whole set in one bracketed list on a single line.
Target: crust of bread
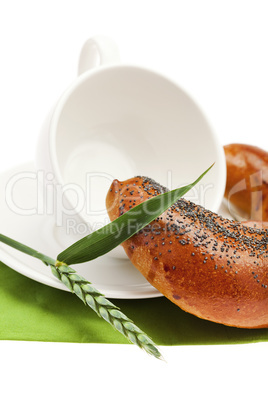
[(247, 180), (214, 268)]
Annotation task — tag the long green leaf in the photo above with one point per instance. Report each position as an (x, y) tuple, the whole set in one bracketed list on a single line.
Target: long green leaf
[(112, 235)]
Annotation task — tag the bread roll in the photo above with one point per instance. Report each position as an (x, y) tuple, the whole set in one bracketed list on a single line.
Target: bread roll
[(247, 180), (214, 268)]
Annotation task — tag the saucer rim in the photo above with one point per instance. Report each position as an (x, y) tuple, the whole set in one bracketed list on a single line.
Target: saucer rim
[(141, 291)]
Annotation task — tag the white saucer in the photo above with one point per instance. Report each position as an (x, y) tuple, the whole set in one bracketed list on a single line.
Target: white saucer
[(114, 277)]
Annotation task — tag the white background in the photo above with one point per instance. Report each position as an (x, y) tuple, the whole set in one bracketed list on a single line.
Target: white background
[(217, 50)]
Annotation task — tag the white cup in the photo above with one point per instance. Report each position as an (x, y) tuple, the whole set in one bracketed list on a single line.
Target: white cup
[(118, 121)]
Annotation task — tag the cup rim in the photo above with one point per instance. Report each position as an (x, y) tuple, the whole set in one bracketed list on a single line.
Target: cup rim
[(113, 66)]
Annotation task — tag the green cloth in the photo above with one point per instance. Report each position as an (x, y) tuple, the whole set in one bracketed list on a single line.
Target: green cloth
[(31, 311)]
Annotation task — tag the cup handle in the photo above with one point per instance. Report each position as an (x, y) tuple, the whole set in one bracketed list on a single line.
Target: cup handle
[(97, 51)]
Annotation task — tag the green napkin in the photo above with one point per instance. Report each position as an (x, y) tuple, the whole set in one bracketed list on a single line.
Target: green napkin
[(31, 311)]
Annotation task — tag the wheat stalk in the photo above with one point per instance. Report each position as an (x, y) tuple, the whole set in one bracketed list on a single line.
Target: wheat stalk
[(91, 297), (103, 307), (99, 243)]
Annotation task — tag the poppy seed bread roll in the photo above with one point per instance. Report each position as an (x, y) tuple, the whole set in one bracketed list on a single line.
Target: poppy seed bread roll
[(214, 268)]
